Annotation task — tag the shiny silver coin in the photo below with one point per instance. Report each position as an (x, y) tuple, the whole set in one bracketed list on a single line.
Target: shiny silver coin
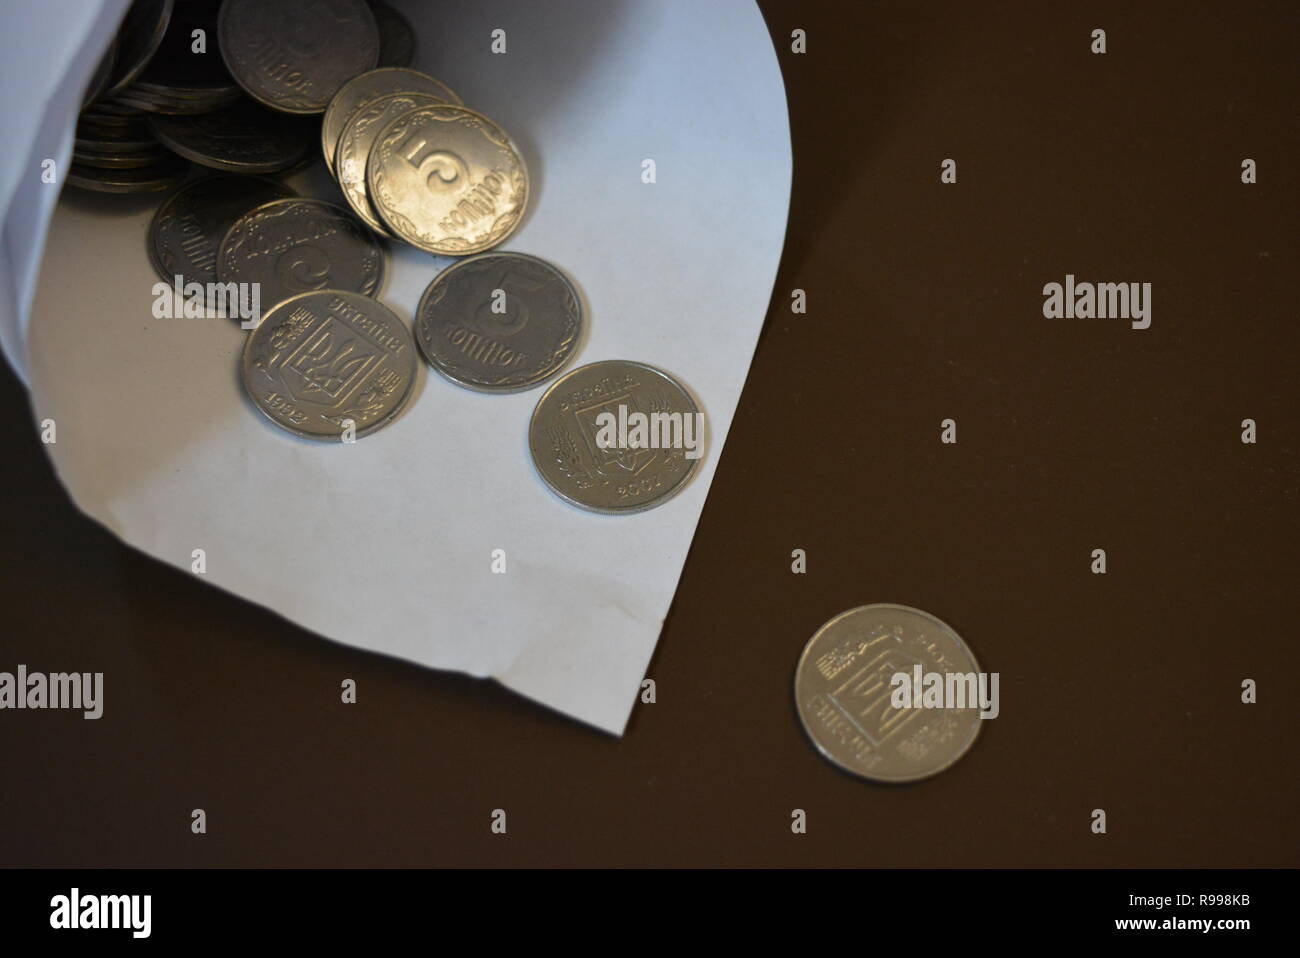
[(293, 55), (162, 175), (297, 245), (588, 460), (361, 91), (447, 180), (329, 359), (844, 695), (396, 37), (138, 39), (499, 322), (186, 232), (242, 138), (356, 142)]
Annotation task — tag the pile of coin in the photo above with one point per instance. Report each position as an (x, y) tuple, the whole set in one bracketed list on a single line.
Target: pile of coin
[(249, 88)]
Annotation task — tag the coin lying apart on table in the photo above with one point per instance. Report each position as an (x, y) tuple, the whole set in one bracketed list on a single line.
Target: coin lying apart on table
[(499, 322), (616, 436), (846, 693), (329, 365), (295, 245)]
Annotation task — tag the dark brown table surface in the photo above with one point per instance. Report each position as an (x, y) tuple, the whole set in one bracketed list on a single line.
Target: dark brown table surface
[(1119, 691)]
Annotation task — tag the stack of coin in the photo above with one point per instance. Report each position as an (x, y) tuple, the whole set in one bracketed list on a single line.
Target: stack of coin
[(119, 154), (184, 76), (416, 164), (159, 64)]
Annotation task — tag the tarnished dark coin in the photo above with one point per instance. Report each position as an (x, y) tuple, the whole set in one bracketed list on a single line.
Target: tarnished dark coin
[(186, 232), (109, 139), (296, 245), (120, 159), (179, 74), (293, 55), (242, 138), (396, 38), (499, 322), (162, 175), (169, 104), (98, 82), (363, 90), (138, 39), (356, 142), (329, 364), (616, 437), (103, 109), (849, 699), (447, 180), (94, 116)]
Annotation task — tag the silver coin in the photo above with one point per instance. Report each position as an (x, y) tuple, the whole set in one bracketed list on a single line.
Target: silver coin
[(396, 37), (186, 232), (320, 360), (843, 690), (361, 91), (356, 142), (241, 138), (499, 322), (293, 55), (296, 245), (138, 39), (565, 437), (162, 175), (447, 180)]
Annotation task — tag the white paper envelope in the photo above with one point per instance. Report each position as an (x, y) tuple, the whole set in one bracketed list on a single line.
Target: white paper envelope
[(387, 543)]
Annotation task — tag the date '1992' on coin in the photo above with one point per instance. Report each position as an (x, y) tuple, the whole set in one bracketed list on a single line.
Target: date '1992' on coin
[(324, 362)]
